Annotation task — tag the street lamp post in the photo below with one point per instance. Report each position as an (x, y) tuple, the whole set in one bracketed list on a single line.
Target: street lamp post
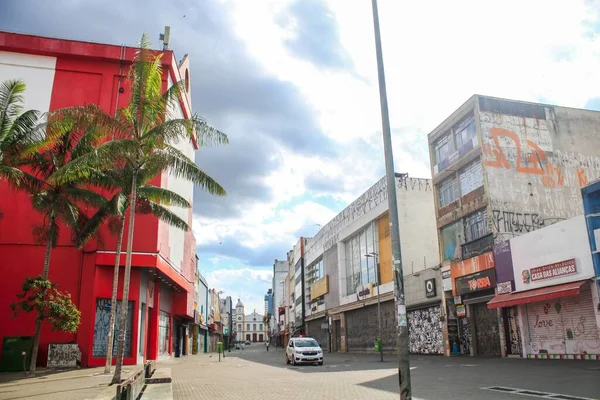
[(376, 257), (403, 361)]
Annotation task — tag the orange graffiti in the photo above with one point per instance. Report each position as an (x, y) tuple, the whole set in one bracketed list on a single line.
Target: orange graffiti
[(533, 164), (582, 177)]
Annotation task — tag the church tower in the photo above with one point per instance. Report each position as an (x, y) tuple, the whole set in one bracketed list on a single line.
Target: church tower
[(239, 322)]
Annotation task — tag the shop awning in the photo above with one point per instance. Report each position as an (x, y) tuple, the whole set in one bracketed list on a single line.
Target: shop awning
[(535, 295)]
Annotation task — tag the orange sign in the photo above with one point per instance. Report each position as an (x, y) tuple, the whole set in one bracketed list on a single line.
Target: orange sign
[(470, 266)]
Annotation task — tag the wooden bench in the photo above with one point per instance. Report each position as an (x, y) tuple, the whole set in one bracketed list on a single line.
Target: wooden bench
[(131, 387)]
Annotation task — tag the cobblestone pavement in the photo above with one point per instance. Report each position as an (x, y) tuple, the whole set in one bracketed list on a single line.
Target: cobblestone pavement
[(255, 373), (78, 384)]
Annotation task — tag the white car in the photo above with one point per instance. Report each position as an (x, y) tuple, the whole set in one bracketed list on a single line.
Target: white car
[(303, 350)]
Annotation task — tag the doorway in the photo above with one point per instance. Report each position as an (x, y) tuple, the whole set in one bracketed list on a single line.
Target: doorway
[(512, 332), (487, 335)]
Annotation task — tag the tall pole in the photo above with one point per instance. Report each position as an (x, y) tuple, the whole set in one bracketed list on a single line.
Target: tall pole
[(403, 361), (379, 307)]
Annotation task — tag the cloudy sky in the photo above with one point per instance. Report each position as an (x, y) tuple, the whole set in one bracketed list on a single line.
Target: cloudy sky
[(294, 85)]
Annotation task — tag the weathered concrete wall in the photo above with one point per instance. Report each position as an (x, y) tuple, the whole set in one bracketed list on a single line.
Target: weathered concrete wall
[(536, 160), (414, 287), (361, 327)]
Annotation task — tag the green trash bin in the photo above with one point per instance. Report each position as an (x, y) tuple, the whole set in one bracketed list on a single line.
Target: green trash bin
[(378, 346), (12, 353), (219, 347)]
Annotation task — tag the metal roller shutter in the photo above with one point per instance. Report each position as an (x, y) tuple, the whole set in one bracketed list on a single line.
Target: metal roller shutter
[(563, 326)]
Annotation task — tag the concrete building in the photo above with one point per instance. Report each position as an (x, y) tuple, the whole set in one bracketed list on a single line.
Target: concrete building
[(349, 265), (226, 320), (502, 168), (280, 271), (200, 341), (61, 73), (215, 324)]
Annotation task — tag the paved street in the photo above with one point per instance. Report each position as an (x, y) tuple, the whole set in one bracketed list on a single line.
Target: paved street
[(256, 374)]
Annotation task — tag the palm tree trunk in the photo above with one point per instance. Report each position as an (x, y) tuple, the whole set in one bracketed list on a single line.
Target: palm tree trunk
[(38, 321), (113, 299), (124, 302)]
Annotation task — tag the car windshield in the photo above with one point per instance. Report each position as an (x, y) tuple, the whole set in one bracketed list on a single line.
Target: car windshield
[(306, 343)]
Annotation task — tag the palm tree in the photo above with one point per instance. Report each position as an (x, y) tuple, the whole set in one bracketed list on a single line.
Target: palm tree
[(143, 138), (151, 200), (17, 129), (59, 203)]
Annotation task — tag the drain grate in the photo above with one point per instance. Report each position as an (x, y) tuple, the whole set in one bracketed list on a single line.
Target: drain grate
[(534, 393)]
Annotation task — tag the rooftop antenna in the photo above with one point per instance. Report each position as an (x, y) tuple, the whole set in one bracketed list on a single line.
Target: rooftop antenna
[(165, 37)]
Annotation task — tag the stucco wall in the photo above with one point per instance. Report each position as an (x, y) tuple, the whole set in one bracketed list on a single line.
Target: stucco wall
[(536, 160)]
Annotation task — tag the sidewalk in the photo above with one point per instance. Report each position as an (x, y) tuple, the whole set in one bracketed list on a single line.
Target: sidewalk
[(52, 384)]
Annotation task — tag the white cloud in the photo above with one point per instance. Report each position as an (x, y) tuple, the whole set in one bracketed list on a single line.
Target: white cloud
[(214, 260), (437, 54), (247, 284)]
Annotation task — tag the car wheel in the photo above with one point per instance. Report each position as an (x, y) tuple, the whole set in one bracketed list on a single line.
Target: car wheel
[(293, 360), (287, 360), (321, 363)]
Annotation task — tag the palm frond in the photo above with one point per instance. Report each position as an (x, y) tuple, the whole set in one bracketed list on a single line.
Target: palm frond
[(165, 215), (181, 166), (102, 158), (85, 196), (14, 176), (162, 196), (11, 103), (206, 135)]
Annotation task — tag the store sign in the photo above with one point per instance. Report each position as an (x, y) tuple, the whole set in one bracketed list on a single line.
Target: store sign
[(476, 282), (550, 271), (365, 292), (430, 288), (461, 310), (504, 287), (446, 280)]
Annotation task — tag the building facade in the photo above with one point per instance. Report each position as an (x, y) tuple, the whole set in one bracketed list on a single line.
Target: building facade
[(280, 271), (552, 312), (349, 267), (239, 319), (254, 328), (501, 168), (61, 73), (201, 315)]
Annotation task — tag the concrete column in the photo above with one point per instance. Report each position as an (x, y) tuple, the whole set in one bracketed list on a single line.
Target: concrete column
[(344, 349)]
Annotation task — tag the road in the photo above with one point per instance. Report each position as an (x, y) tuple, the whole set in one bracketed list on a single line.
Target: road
[(255, 373)]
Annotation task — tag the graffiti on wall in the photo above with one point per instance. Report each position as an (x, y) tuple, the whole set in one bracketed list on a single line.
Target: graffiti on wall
[(425, 334), (562, 327), (531, 184), (377, 194), (464, 330)]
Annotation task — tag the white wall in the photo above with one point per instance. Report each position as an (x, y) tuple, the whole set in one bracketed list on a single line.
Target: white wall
[(36, 71), (181, 187), (558, 242)]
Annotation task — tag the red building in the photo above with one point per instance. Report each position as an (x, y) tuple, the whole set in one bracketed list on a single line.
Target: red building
[(61, 73)]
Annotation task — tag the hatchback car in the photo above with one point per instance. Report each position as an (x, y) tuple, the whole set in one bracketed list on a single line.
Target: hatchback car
[(303, 350)]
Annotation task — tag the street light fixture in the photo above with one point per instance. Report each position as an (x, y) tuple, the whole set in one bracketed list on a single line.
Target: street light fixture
[(376, 257), (403, 345)]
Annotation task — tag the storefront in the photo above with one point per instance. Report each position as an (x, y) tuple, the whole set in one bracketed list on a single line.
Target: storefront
[(424, 312), (474, 283), (554, 293)]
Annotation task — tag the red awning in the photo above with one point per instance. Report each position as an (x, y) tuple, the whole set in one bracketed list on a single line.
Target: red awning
[(535, 295)]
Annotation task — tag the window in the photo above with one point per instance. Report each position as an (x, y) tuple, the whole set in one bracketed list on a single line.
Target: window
[(254, 327), (447, 191), (260, 328), (476, 225), (164, 327), (452, 237), (465, 132), (443, 148), (315, 272), (239, 318), (101, 324), (360, 269), (471, 177), (247, 327), (239, 327)]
